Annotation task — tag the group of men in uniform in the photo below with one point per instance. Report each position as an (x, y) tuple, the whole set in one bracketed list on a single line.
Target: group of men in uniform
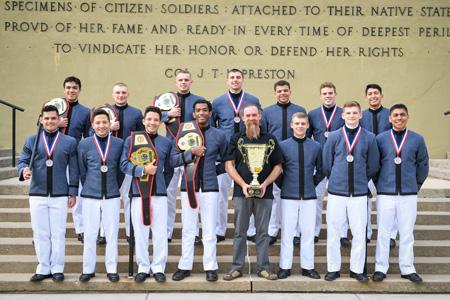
[(345, 151)]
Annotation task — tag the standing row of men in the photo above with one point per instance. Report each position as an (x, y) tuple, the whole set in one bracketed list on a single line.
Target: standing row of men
[(297, 155)]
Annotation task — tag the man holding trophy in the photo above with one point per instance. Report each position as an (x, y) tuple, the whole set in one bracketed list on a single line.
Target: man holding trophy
[(253, 161)]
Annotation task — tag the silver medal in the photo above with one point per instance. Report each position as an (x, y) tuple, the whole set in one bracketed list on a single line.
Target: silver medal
[(397, 160), (350, 158), (104, 168), (326, 133), (49, 163), (237, 119)]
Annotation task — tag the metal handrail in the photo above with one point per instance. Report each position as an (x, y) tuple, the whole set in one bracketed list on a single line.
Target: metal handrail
[(14, 108)]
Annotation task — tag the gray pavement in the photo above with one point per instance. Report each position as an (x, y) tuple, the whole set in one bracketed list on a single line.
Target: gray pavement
[(223, 296)]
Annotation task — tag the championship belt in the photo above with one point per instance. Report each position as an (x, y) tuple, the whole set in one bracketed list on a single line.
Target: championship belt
[(190, 136), (112, 113), (166, 102), (255, 157), (62, 106), (143, 152)]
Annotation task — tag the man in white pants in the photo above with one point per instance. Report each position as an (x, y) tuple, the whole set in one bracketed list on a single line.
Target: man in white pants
[(404, 168), (98, 160), (206, 196), (149, 207), (302, 171), (350, 160), (50, 192)]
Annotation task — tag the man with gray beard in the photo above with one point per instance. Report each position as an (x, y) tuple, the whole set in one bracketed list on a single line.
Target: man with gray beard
[(246, 203)]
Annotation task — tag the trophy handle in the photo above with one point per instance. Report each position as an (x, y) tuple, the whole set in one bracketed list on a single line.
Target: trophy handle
[(269, 149), (240, 144)]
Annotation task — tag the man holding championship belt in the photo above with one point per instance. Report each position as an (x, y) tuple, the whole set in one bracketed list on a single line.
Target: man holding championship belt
[(176, 108), (146, 156), (76, 123), (44, 159), (404, 168), (200, 189), (322, 121), (99, 160), (227, 117), (350, 160), (254, 161)]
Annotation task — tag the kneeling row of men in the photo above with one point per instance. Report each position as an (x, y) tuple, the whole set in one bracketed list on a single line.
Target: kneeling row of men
[(396, 160)]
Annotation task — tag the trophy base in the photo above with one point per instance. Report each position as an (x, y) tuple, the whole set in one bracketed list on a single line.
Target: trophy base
[(254, 191)]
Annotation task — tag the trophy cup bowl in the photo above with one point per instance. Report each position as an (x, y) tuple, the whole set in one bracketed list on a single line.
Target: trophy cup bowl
[(255, 156)]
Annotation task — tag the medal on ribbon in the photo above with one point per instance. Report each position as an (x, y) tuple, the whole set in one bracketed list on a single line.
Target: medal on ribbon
[(103, 154), (397, 148), (49, 149), (237, 108), (326, 121), (350, 146)]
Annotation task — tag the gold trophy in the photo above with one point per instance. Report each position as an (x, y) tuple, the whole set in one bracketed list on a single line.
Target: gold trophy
[(255, 156)]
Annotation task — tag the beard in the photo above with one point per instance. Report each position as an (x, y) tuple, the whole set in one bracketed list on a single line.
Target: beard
[(252, 130)]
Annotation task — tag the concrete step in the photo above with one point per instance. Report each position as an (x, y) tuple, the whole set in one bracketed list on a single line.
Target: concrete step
[(7, 161), (440, 163), (7, 172), (5, 152), (23, 246), (27, 264), (11, 283), (440, 173), (423, 217), (421, 232)]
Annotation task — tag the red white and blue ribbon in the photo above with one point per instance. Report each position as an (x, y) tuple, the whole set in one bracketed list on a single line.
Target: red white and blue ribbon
[(50, 149), (398, 149), (351, 146), (241, 100), (103, 154), (324, 117)]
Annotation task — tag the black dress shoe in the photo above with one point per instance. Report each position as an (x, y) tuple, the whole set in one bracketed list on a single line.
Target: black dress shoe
[(367, 240), (272, 240), (316, 239), (113, 277), (198, 241), (283, 273), (58, 277), (296, 241), (101, 240), (80, 237), (413, 277), (211, 275), (40, 277), (361, 277), (251, 238), (311, 273), (220, 238), (159, 277), (392, 243), (140, 277), (330, 276), (169, 240), (378, 276), (345, 242), (180, 274), (85, 277)]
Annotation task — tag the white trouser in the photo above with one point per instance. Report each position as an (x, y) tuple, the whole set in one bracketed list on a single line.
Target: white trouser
[(320, 193), (275, 215), (77, 212), (338, 210), (48, 221), (172, 192), (292, 211), (225, 183), (159, 234), (208, 203), (405, 209), (344, 232), (107, 210)]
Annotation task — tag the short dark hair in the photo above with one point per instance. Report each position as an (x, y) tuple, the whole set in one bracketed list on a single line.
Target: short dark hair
[(72, 79), (398, 106), (98, 112), (235, 70), (374, 86), (352, 104), (49, 108), (202, 101), (154, 109), (281, 83)]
